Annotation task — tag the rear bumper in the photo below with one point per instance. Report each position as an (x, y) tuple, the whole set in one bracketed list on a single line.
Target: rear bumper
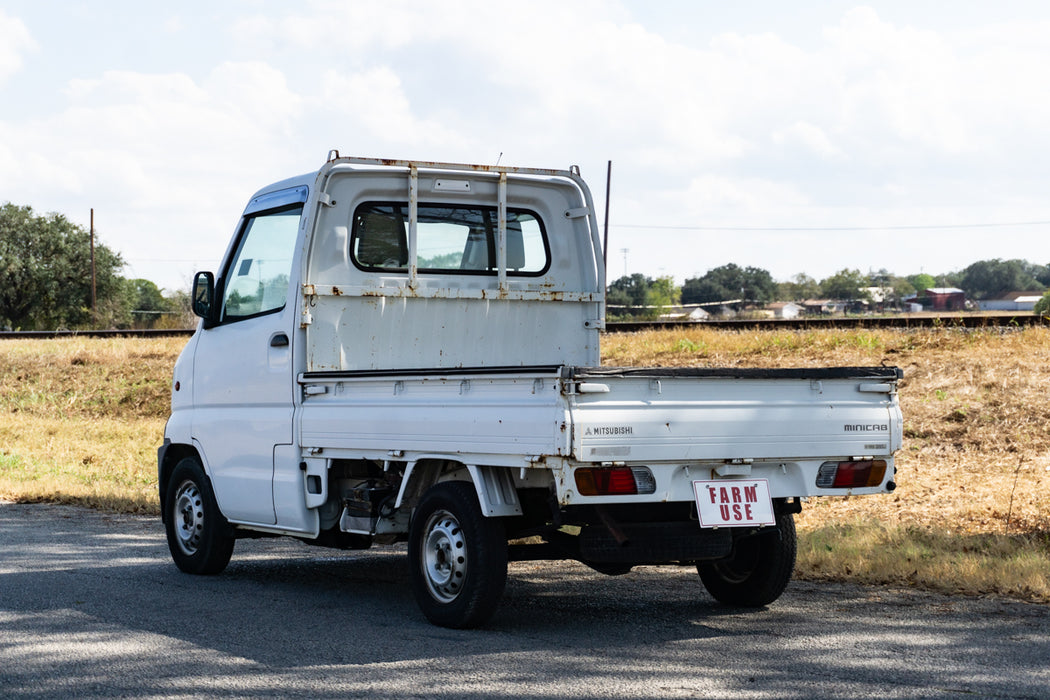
[(674, 482)]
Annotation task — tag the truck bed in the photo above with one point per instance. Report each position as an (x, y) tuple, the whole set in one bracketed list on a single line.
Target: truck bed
[(666, 414), (510, 416)]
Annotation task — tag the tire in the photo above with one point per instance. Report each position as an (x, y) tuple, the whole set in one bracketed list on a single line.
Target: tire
[(757, 572), (457, 557), (198, 534)]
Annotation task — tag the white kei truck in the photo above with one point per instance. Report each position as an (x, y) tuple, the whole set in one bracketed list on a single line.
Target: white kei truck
[(401, 351)]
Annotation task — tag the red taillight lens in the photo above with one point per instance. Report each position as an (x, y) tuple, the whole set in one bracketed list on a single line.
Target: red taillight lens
[(851, 475), (614, 481)]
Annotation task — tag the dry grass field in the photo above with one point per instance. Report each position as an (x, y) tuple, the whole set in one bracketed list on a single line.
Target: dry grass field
[(80, 420), (972, 509)]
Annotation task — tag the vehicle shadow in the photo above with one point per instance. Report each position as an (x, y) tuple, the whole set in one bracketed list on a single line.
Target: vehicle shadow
[(96, 606)]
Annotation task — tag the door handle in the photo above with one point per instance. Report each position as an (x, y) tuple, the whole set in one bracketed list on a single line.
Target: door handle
[(280, 340)]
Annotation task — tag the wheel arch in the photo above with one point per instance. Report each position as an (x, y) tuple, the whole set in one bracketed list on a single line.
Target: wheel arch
[(169, 455), (494, 486)]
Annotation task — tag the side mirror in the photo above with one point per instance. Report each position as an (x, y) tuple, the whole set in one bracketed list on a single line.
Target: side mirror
[(204, 297)]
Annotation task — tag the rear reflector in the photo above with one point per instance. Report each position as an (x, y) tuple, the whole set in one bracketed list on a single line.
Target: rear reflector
[(614, 481), (851, 475)]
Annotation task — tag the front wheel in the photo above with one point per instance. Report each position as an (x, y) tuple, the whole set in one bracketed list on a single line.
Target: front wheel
[(759, 569), (457, 556), (196, 530)]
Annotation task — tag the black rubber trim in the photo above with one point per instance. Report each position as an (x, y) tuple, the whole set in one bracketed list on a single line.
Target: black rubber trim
[(429, 372), (577, 373)]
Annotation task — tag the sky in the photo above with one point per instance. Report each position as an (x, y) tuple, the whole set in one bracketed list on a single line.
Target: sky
[(909, 136)]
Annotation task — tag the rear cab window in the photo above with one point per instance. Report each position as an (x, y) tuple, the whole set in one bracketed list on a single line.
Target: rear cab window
[(458, 239)]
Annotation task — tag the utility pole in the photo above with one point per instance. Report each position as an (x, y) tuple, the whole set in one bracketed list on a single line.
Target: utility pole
[(94, 298)]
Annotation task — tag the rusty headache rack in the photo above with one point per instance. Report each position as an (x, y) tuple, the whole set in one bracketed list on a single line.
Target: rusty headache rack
[(336, 163)]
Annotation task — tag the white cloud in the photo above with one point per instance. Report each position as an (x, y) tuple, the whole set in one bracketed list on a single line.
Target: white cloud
[(745, 129), (372, 104), (154, 135), (162, 157), (15, 40), (253, 93), (555, 71), (868, 119), (725, 197), (173, 24), (900, 83), (540, 73), (808, 136), (331, 26)]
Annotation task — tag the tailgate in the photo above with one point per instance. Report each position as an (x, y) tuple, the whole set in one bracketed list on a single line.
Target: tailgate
[(670, 415)]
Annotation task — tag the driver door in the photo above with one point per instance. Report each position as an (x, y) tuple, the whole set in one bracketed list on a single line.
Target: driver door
[(243, 371)]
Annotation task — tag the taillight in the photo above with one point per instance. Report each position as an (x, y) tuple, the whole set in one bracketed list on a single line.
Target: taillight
[(851, 475), (614, 481)]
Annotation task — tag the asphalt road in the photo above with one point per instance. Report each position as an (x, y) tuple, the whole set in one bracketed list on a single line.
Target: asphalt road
[(91, 606)]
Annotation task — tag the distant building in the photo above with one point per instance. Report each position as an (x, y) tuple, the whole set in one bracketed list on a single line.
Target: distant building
[(685, 313), (939, 299), (1012, 301), (880, 297), (825, 306), (785, 309)]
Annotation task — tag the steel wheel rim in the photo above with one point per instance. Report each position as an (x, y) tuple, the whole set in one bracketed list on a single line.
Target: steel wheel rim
[(444, 556), (188, 517)]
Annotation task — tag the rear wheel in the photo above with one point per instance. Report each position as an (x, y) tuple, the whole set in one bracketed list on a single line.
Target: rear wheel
[(759, 569), (196, 530), (458, 557)]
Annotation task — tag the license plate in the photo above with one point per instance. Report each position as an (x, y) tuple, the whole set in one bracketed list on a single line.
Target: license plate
[(734, 503)]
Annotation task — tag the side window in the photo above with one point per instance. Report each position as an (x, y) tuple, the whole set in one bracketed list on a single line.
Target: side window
[(450, 238), (257, 278)]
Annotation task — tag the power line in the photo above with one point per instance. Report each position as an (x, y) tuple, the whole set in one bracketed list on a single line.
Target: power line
[(920, 227)]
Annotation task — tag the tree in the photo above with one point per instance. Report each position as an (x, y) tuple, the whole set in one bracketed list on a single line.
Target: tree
[(45, 273), (148, 296), (181, 311), (949, 279), (730, 282), (891, 289), (921, 282), (149, 304), (901, 288), (846, 285), (698, 290), (882, 278), (1042, 307), (664, 293), (798, 288), (1042, 274), (631, 294), (113, 309), (641, 296), (987, 279), (630, 290)]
